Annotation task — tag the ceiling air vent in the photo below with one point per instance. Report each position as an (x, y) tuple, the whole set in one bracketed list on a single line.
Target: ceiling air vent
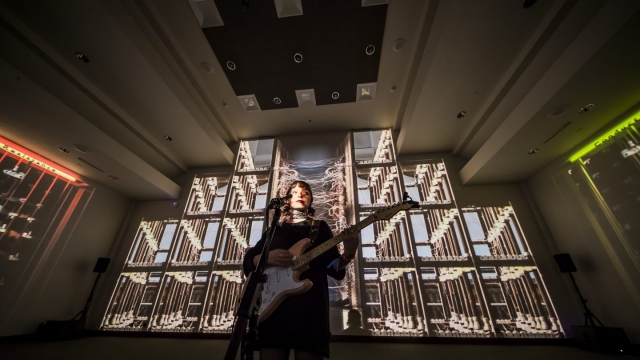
[(90, 164)]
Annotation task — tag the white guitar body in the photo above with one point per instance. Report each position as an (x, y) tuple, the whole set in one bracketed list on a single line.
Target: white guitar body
[(283, 282)]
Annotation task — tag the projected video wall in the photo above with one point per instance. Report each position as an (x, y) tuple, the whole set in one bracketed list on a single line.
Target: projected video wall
[(439, 270), (39, 204), (602, 185)]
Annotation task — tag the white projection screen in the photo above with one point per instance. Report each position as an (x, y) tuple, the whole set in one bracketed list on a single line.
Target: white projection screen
[(437, 271)]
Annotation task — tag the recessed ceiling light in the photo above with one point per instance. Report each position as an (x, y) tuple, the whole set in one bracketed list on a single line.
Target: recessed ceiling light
[(533, 151), (225, 104), (168, 138), (335, 95), (207, 67), (370, 50), (398, 45), (461, 114), (557, 112), (113, 177), (586, 108), (82, 57), (277, 101), (297, 58), (64, 150), (231, 66), (393, 88)]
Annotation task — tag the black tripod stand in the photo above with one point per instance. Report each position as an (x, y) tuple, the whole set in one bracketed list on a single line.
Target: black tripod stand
[(83, 313), (588, 314), (101, 266), (566, 265)]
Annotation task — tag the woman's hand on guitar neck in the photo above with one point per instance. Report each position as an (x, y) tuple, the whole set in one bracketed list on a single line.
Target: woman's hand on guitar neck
[(350, 242), (278, 257)]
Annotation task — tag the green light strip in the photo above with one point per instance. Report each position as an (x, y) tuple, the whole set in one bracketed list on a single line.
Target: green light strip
[(606, 136)]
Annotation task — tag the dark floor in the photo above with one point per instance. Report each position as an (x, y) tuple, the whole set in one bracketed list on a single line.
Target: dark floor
[(125, 348)]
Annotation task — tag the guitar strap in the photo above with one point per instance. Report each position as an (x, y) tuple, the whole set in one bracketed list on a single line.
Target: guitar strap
[(313, 233)]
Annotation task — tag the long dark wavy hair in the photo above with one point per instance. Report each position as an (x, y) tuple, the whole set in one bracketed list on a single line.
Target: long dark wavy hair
[(286, 209)]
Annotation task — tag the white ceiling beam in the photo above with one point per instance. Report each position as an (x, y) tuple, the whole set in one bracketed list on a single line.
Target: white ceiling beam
[(590, 39), (434, 22), (174, 68)]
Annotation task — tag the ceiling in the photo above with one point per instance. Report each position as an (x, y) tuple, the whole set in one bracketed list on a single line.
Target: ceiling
[(520, 75), (325, 52)]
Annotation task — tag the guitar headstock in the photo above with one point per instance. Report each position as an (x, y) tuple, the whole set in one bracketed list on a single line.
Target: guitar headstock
[(388, 212)]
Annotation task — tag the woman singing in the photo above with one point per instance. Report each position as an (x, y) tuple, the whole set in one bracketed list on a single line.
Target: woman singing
[(301, 322)]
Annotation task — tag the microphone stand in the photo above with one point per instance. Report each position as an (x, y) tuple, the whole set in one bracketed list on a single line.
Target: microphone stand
[(247, 312)]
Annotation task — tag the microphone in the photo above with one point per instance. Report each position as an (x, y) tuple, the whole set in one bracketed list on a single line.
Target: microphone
[(277, 202)]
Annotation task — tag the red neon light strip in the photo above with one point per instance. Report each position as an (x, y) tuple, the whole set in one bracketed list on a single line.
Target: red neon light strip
[(36, 160)]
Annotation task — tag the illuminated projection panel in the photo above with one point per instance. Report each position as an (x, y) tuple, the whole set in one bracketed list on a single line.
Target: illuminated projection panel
[(391, 304), (495, 233), (453, 303), (378, 186), (196, 241), (39, 204), (427, 183), (236, 236), (248, 193), (254, 155), (518, 302), (132, 301), (180, 303), (386, 240), (373, 147), (222, 299), (438, 235), (153, 243), (207, 195)]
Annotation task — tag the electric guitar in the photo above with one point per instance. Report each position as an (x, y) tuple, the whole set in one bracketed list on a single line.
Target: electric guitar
[(283, 282)]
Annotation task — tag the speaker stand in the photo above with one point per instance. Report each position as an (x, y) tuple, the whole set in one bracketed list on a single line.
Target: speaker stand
[(589, 317)]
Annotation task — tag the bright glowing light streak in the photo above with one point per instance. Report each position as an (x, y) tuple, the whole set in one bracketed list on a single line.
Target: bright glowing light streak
[(34, 159), (604, 137)]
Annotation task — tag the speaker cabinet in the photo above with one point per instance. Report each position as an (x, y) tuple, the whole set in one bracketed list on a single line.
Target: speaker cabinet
[(565, 263), (101, 265), (603, 339)]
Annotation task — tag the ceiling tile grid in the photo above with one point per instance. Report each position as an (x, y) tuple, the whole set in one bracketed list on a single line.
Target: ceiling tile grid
[(339, 44)]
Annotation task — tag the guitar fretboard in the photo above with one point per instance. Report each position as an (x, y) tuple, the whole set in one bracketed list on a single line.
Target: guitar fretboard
[(322, 248)]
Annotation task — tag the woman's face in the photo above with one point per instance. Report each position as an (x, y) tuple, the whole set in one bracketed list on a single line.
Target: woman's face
[(301, 198)]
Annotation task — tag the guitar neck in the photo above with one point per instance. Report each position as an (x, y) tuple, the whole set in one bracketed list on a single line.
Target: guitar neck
[(322, 248)]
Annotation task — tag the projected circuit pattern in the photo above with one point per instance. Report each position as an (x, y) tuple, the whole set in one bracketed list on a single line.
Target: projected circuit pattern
[(439, 270)]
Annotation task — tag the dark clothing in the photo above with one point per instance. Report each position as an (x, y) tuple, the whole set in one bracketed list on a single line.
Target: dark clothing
[(301, 322)]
